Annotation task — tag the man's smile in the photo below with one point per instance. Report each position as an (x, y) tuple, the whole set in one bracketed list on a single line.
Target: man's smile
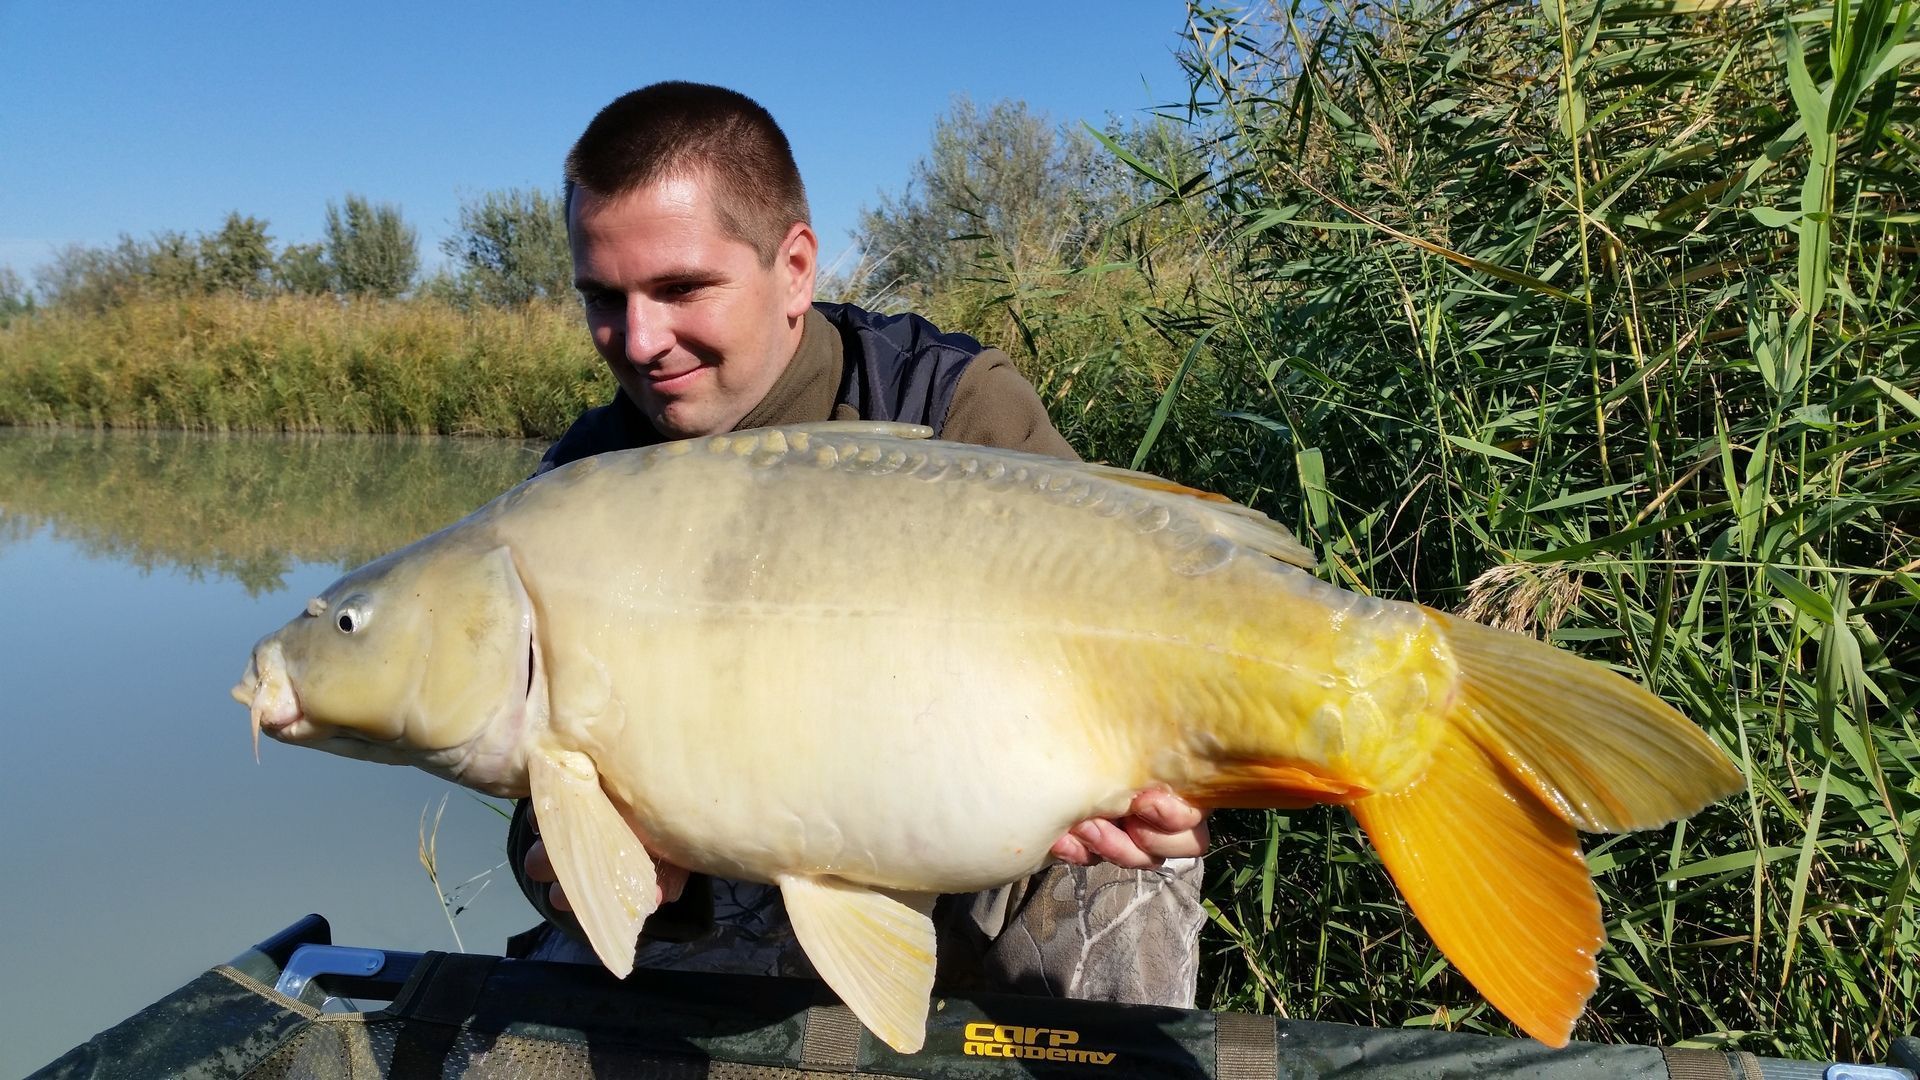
[(668, 382)]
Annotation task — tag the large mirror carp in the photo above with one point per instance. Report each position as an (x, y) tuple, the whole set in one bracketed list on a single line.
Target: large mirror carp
[(872, 668)]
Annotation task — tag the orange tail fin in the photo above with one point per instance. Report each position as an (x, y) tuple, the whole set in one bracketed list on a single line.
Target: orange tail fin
[(1539, 742), (1498, 881), (1536, 744)]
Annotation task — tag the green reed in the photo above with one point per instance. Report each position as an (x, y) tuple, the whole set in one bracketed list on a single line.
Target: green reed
[(1598, 322)]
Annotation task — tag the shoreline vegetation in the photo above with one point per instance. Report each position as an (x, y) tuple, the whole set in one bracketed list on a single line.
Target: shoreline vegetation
[(1599, 322), (301, 363)]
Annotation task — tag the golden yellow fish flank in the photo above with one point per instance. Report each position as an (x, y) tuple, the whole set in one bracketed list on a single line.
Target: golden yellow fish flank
[(872, 668)]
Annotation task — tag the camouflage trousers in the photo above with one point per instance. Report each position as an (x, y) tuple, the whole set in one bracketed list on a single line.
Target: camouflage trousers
[(1099, 933)]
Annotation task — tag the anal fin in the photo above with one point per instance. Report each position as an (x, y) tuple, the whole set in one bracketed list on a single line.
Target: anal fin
[(1498, 881), (607, 874), (1268, 785), (875, 949)]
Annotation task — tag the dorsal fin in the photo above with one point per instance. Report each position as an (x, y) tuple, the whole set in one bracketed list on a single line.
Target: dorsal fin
[(1229, 519), (856, 427), (1240, 524)]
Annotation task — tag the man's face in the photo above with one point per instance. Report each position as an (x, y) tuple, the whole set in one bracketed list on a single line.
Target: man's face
[(695, 329)]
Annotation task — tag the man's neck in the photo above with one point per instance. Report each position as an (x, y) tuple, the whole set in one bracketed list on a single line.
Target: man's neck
[(807, 386)]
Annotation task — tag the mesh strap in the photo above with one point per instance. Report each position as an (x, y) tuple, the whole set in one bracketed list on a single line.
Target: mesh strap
[(1708, 1065), (436, 1001), (832, 1041), (446, 987), (1245, 1047)]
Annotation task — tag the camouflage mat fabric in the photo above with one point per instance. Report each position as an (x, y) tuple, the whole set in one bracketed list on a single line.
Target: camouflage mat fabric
[(472, 1016)]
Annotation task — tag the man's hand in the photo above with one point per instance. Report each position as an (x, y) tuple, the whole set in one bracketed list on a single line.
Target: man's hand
[(670, 878), (1159, 826)]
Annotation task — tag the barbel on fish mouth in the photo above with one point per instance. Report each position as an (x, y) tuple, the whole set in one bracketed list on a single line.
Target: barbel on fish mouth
[(872, 668)]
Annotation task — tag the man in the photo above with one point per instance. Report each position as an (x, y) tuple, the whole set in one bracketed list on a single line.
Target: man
[(693, 255)]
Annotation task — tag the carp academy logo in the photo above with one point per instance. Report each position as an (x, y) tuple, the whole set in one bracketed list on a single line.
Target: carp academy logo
[(1031, 1044)]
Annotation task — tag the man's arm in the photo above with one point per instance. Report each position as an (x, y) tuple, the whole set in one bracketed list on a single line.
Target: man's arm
[(995, 405)]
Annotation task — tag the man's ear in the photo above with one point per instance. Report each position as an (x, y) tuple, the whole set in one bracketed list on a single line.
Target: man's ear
[(799, 263)]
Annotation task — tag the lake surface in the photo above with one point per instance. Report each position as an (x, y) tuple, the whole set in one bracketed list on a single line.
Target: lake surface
[(145, 845)]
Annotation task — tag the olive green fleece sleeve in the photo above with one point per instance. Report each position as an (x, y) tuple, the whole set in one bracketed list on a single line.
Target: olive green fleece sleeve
[(995, 405)]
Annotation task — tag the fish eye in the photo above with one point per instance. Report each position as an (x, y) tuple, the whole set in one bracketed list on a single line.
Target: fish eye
[(353, 615)]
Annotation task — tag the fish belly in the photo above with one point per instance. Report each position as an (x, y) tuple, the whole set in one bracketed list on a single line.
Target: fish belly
[(859, 747)]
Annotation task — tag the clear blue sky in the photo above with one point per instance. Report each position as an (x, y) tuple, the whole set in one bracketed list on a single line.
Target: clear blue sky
[(121, 117)]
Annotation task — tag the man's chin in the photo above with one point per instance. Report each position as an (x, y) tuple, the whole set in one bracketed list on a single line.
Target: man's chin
[(686, 420)]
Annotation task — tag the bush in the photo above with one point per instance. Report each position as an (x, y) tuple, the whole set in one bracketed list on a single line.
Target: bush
[(1595, 321)]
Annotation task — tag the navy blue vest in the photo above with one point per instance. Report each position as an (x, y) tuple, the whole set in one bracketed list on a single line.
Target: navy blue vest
[(894, 367)]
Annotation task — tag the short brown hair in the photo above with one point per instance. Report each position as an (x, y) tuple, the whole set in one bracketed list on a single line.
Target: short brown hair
[(683, 128)]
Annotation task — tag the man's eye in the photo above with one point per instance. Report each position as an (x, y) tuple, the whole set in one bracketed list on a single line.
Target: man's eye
[(602, 301), (681, 289)]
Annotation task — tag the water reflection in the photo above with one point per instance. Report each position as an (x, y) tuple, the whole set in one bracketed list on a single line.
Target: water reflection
[(244, 507), (144, 844)]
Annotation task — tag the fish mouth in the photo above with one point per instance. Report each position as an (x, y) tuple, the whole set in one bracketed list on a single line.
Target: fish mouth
[(268, 695)]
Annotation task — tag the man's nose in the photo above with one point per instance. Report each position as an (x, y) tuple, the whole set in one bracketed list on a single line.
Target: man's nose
[(647, 333)]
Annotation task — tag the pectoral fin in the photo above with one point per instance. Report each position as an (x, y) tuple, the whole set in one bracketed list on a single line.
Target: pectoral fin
[(607, 875), (875, 949)]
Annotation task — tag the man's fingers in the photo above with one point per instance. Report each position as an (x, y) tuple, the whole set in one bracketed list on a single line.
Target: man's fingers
[(540, 868), (537, 865), (1110, 842), (1164, 812), (1189, 844), (1068, 849), (1166, 826), (671, 879)]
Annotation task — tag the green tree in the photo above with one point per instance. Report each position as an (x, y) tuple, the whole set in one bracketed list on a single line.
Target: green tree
[(302, 269), (1003, 182), (98, 279), (15, 298), (511, 248), (238, 258), (371, 251), (169, 264)]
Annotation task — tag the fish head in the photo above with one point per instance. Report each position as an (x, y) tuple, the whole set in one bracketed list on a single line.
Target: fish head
[(407, 660)]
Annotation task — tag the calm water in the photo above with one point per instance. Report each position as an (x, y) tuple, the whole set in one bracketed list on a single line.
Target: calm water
[(145, 844)]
